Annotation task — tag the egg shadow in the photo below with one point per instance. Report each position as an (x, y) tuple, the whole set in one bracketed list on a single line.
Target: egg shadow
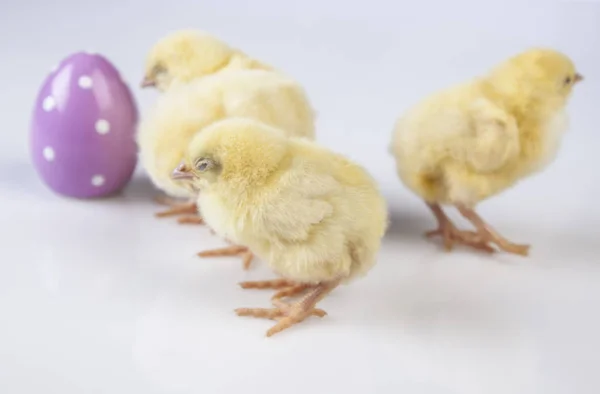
[(20, 177)]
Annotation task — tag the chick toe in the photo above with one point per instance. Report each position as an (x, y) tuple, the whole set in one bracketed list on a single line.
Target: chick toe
[(268, 284), (233, 250), (287, 308), (276, 313), (164, 200), (175, 207), (267, 313), (445, 231), (247, 259), (294, 315), (190, 219), (291, 291), (489, 234)]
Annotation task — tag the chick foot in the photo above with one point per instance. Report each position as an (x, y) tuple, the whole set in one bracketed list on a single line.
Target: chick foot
[(281, 310), (234, 250), (290, 314), (189, 209), (451, 235), (489, 234)]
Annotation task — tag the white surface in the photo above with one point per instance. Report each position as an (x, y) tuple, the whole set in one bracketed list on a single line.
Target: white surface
[(101, 297)]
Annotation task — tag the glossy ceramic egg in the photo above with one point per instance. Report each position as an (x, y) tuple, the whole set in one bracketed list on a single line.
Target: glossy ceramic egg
[(82, 135)]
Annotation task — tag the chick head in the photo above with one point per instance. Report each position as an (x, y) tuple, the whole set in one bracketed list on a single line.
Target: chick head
[(182, 56), (234, 153), (538, 74)]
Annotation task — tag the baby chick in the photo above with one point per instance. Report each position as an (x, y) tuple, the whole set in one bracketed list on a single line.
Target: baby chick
[(184, 110), (180, 57), (315, 217), (465, 144), (185, 55)]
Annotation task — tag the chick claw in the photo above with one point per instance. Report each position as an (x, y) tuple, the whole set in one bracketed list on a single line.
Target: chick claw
[(288, 315), (452, 235), (233, 250)]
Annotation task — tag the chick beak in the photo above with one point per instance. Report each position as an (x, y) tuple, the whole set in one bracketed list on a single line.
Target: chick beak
[(182, 173), (147, 82), (578, 77)]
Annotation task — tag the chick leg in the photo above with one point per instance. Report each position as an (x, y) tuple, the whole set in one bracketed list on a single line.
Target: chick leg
[(290, 314), (452, 235), (490, 234), (233, 250), (189, 209)]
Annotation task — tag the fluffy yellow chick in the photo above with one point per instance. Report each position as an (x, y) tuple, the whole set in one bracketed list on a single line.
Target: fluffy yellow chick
[(185, 55), (185, 110), (315, 217), (465, 144)]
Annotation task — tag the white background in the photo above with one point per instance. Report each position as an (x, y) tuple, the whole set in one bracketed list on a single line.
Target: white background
[(101, 297)]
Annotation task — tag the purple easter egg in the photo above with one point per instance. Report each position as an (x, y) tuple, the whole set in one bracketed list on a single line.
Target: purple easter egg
[(82, 135)]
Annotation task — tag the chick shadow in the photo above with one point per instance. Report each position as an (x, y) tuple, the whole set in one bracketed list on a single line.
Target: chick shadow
[(408, 224), (411, 308), (413, 302), (407, 228), (139, 189), (569, 250), (20, 178)]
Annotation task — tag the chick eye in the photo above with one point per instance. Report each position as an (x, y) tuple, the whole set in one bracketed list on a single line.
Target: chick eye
[(158, 69), (202, 165), (568, 80)]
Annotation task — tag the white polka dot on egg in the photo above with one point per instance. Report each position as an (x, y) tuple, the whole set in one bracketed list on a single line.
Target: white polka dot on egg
[(49, 104), (98, 180), (102, 126), (85, 82), (48, 153)]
